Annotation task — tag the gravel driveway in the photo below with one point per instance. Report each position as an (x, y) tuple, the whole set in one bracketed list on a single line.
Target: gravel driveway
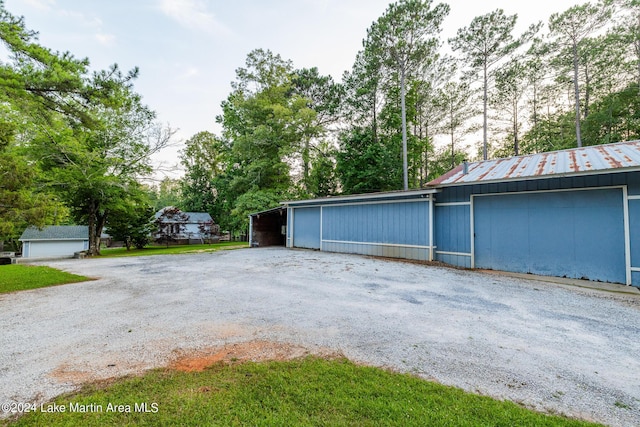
[(569, 351)]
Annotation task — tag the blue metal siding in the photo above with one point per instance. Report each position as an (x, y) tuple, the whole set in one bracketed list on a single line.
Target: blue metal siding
[(306, 228), (578, 234), (451, 228), (379, 229), (394, 223), (634, 233)]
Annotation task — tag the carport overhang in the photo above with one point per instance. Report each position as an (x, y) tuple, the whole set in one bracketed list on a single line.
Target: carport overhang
[(265, 227), (367, 197)]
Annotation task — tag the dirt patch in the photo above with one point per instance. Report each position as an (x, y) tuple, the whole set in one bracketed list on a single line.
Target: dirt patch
[(253, 351), (68, 374)]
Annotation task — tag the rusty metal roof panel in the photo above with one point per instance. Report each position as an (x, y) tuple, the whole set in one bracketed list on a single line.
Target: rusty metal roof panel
[(609, 158)]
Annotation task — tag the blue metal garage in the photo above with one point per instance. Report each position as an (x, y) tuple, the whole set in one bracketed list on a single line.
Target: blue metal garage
[(572, 213), (394, 224)]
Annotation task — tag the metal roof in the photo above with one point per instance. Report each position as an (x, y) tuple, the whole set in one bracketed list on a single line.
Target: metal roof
[(269, 211), (400, 194), (56, 232), (192, 217), (608, 158)]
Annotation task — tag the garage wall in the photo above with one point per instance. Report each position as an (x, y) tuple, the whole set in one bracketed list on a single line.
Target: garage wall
[(451, 231), (453, 217), (52, 249), (634, 241), (396, 230), (577, 234), (306, 228)]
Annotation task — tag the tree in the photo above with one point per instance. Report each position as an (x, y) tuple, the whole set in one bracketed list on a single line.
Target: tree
[(166, 193), (132, 222), (92, 170), (511, 84), (323, 98), (406, 39), (570, 30), (206, 161), (265, 123), (455, 99), (323, 180), (22, 201), (629, 31), (366, 165), (484, 43)]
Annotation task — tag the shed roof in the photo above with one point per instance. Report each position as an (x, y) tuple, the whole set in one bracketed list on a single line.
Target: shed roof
[(387, 195), (608, 158), (279, 209), (192, 217), (56, 232)]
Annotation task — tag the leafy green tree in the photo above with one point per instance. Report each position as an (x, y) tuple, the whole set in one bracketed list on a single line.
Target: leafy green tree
[(92, 170), (323, 179), (131, 221), (614, 118), (508, 99), (486, 42), (267, 124), (456, 101), (166, 193), (22, 202), (629, 31), (366, 165), (428, 112), (205, 159), (406, 37), (323, 98), (570, 30)]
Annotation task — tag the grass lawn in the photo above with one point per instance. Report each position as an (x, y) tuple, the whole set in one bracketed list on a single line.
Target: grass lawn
[(18, 277), (175, 249), (309, 391)]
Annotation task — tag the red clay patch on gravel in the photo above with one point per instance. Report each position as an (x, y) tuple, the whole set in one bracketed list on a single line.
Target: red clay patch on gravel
[(253, 351)]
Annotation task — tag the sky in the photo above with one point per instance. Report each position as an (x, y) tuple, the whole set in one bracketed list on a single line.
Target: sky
[(188, 50)]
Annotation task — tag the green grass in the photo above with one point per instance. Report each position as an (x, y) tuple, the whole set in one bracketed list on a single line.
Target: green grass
[(171, 250), (22, 277), (303, 392)]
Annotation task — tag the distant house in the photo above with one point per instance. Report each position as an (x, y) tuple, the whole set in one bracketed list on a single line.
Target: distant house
[(56, 241), (186, 226)]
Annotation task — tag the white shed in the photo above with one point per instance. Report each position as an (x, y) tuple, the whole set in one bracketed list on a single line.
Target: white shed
[(56, 241)]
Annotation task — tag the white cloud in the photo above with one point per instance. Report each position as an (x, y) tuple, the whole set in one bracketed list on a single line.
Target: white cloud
[(106, 39), (190, 71), (41, 4), (192, 14)]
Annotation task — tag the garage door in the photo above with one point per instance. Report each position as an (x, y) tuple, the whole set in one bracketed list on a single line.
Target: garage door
[(306, 228), (576, 234), (43, 249)]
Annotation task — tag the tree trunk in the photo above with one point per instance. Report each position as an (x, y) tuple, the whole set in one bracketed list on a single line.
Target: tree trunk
[(453, 163), (576, 89), (515, 128), (93, 245), (484, 118), (405, 169), (305, 164)]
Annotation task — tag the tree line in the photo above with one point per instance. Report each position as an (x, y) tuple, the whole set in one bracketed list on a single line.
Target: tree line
[(75, 144), (412, 106)]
